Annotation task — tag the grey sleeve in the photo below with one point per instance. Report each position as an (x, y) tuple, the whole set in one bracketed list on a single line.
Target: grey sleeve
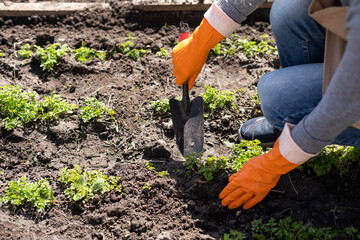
[(238, 10), (340, 106)]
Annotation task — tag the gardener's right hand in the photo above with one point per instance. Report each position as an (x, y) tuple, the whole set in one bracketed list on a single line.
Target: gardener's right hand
[(190, 55)]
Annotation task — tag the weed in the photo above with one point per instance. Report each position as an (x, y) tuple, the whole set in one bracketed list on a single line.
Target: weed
[(255, 98), (149, 166), (234, 235), (213, 165), (163, 173), (84, 54), (129, 36), (243, 152), (161, 107), (214, 99), (287, 229), (250, 48), (53, 107), (94, 109), (51, 55), (1, 53), (208, 168), (163, 53), (38, 194), (127, 48), (217, 49), (18, 108), (147, 187), (82, 186), (334, 157), (25, 51)]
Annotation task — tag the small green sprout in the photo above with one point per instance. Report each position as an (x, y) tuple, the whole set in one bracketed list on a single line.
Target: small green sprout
[(84, 54), (147, 187), (53, 107), (149, 166), (163, 53), (127, 48), (163, 174), (51, 55), (335, 157), (288, 229), (25, 51), (83, 185), (93, 109), (18, 108), (37, 194), (234, 235), (215, 99), (161, 107)]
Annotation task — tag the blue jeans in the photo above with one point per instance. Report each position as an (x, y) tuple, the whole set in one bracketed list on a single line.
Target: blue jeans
[(292, 92)]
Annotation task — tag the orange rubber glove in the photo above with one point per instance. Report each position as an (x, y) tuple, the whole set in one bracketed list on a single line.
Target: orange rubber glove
[(190, 55), (259, 175), (255, 179)]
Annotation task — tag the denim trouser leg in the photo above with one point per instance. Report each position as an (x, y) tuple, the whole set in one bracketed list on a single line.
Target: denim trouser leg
[(299, 38), (291, 93)]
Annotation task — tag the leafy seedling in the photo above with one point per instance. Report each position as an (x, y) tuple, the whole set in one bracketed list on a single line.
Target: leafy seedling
[(84, 54), (93, 109), (149, 165), (215, 99), (83, 185), (25, 51), (37, 194), (51, 55), (163, 174), (335, 157), (163, 53), (161, 107), (147, 187), (18, 108)]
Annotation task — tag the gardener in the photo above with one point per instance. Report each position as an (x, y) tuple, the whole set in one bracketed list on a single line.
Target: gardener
[(292, 98)]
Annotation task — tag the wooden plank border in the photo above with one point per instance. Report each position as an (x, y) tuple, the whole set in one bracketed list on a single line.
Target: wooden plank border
[(167, 7), (10, 9)]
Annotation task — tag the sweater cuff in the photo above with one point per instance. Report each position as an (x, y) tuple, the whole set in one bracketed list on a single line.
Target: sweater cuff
[(289, 149), (220, 21)]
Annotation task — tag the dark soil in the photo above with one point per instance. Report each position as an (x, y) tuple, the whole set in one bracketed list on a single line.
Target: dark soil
[(176, 207)]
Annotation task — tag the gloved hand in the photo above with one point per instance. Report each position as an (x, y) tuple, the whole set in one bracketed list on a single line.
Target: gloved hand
[(260, 174), (190, 55)]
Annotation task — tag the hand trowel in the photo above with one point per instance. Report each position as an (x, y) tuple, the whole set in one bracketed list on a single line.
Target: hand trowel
[(188, 116)]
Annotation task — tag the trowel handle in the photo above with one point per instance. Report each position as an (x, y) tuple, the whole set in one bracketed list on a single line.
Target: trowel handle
[(184, 33)]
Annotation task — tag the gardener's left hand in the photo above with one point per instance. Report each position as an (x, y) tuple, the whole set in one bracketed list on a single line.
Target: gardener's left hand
[(260, 174)]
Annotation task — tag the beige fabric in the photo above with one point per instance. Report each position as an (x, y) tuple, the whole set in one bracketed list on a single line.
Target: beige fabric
[(331, 15)]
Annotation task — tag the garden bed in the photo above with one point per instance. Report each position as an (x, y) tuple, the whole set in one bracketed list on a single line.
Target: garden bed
[(170, 205)]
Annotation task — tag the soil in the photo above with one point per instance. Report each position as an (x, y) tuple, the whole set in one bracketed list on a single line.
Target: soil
[(176, 207)]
